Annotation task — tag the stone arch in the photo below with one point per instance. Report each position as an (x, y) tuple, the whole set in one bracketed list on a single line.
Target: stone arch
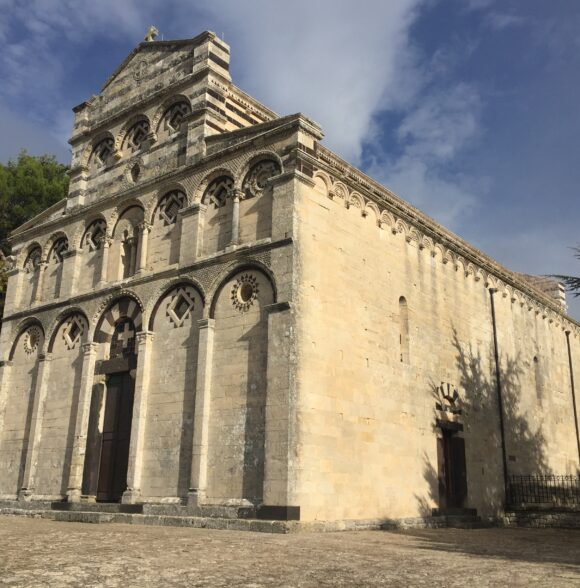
[(339, 192), (80, 232), (155, 303), (170, 101), (386, 219), (371, 209), (153, 204), (209, 178), (25, 253), (90, 148), (51, 241), (126, 208), (124, 304), (356, 200), (60, 319), (22, 327), (221, 281), (254, 160), (323, 181), (129, 123)]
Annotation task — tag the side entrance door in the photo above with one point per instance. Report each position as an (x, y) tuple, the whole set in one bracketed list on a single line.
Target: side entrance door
[(115, 437), (452, 469)]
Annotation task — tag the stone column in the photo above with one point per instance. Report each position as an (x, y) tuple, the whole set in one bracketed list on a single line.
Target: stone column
[(38, 294), (136, 444), (40, 389), (133, 260), (142, 247), (192, 224), (75, 476), (198, 484), (107, 242), (235, 239), (280, 416)]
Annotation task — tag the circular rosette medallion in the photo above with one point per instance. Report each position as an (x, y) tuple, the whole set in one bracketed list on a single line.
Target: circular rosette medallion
[(244, 292)]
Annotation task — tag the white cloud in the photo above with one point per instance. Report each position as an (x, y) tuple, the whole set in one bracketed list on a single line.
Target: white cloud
[(499, 20)]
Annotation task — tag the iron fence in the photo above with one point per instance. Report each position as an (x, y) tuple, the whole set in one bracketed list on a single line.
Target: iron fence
[(544, 489)]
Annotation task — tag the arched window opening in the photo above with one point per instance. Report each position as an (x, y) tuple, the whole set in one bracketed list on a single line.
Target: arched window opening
[(403, 330), (538, 379)]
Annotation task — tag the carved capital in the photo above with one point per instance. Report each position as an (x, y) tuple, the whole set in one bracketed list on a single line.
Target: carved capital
[(277, 307), (195, 208), (206, 323), (89, 348), (143, 336), (45, 357), (144, 227)]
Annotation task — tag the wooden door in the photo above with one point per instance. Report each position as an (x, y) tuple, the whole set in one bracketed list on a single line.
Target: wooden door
[(452, 470), (116, 436)]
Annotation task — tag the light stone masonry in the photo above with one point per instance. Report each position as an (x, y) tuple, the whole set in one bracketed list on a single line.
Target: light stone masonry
[(223, 314)]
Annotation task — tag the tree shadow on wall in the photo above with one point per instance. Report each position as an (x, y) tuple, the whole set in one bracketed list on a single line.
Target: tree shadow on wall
[(478, 403)]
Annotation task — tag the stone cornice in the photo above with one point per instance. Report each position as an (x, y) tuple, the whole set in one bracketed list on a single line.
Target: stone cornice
[(332, 164)]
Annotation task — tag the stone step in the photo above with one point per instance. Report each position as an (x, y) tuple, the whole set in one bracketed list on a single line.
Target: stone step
[(79, 516), (97, 507)]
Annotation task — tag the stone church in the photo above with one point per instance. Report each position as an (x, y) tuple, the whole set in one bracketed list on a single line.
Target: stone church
[(224, 316)]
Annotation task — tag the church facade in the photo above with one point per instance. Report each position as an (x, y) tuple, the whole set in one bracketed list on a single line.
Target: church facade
[(223, 313)]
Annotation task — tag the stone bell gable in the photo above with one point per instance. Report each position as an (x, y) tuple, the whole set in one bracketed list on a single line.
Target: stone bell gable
[(153, 115)]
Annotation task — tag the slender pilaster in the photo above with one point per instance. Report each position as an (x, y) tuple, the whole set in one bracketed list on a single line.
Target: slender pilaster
[(69, 273), (236, 198), (133, 246), (280, 420), (38, 294), (142, 246), (5, 369), (192, 224), (135, 469), (107, 242), (30, 464), (198, 485), (75, 476), (13, 290)]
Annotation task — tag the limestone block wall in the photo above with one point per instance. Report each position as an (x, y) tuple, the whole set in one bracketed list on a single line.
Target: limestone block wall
[(56, 433), (18, 386), (238, 388), (370, 365), (169, 428)]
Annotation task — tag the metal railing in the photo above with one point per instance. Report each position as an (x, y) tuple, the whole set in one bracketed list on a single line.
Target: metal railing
[(544, 489)]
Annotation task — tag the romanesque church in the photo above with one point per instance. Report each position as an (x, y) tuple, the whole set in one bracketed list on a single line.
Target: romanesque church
[(226, 319)]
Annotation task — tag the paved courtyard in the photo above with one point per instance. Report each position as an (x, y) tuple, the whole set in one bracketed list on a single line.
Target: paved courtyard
[(36, 552)]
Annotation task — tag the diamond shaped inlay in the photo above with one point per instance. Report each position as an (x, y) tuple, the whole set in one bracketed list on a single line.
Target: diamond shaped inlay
[(181, 305)]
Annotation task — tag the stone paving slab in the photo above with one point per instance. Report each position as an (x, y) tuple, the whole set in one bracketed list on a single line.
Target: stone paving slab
[(40, 552)]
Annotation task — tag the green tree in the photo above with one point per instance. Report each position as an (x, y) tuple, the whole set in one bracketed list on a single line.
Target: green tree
[(28, 186), (572, 283)]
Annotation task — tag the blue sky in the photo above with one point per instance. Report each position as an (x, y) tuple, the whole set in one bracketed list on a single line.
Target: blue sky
[(468, 109)]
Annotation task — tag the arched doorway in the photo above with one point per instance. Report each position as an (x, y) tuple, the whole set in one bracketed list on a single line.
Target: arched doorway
[(111, 411), (118, 413)]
